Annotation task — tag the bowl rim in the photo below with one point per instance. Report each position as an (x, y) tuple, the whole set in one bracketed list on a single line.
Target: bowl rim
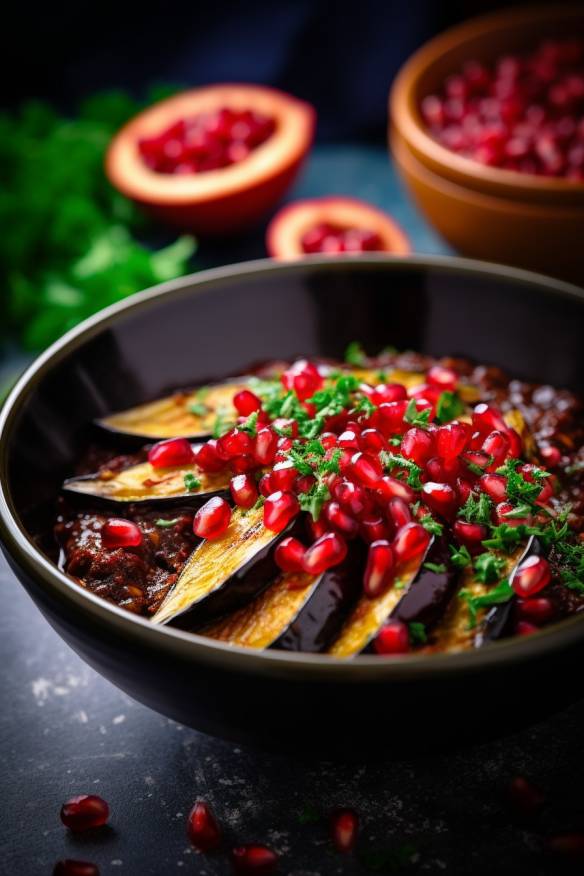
[(405, 115), (191, 647)]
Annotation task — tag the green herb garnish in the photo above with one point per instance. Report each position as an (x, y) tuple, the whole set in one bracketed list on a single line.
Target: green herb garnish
[(438, 568), (499, 594), (415, 417), (192, 483), (166, 524), (417, 632), (430, 525), (489, 568), (449, 407), (460, 557), (355, 355), (477, 509)]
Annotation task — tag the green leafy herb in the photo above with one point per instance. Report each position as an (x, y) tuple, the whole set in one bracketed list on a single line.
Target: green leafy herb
[(395, 441), (460, 557), (314, 499), (438, 568), (417, 632), (415, 417), (391, 461), (499, 594), (250, 425), (449, 406), (364, 406), (354, 354), (519, 489), (505, 537), (477, 509), (519, 512), (432, 526), (479, 469), (489, 568), (166, 524), (192, 483), (198, 409)]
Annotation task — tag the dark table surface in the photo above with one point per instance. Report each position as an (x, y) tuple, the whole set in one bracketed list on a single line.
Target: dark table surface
[(65, 731)]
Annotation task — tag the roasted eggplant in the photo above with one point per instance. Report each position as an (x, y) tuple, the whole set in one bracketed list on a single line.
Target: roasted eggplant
[(298, 612), (223, 574), (182, 415), (144, 483)]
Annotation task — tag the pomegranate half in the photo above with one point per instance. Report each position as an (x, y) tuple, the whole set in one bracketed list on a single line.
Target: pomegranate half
[(216, 196), (333, 225)]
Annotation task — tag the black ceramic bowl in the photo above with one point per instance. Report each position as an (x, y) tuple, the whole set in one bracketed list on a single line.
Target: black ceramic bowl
[(215, 324)]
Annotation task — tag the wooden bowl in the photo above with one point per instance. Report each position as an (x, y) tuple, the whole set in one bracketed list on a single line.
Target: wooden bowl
[(502, 215)]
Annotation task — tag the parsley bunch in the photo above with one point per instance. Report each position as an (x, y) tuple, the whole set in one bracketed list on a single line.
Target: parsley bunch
[(67, 247)]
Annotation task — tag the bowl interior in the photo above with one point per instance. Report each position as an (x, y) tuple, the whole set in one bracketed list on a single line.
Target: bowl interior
[(221, 322)]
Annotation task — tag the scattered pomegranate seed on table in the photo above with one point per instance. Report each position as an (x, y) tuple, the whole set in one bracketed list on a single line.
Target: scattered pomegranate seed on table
[(344, 826), (202, 828), (522, 113), (70, 867), (526, 797), (253, 860), (84, 812)]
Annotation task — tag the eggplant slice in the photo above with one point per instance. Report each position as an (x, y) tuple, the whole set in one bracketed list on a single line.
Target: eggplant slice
[(369, 615), (144, 483), (298, 612), (223, 574), (182, 415)]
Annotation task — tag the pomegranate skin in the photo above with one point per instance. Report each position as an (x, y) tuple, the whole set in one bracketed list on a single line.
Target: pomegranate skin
[(84, 812), (202, 828)]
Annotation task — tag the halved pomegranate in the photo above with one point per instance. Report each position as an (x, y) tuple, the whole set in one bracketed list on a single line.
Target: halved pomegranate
[(333, 225), (213, 159)]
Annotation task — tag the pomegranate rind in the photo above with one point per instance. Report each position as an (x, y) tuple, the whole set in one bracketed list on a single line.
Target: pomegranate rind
[(287, 228), (220, 200)]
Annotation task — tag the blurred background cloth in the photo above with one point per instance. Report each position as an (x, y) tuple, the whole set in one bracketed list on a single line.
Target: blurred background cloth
[(340, 56)]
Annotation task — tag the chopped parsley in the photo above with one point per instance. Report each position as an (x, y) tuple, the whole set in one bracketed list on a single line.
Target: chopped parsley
[(449, 407), (364, 406), (417, 633), (355, 355), (489, 568), (477, 509), (430, 525), (499, 594), (198, 409), (519, 489), (438, 568), (192, 483), (166, 524), (314, 499), (415, 417), (505, 537), (390, 461), (460, 557), (250, 425)]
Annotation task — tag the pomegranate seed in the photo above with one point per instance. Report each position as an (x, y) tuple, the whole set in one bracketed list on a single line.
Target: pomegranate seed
[(327, 551), (476, 459), (303, 377), (328, 440), (373, 529), (341, 521), (442, 377), (235, 443), (119, 533), (352, 497), (496, 444), (451, 439), (385, 393), (242, 464), (265, 485), (389, 488), (244, 491), (207, 456), (283, 475), (531, 576), (246, 402), (84, 812), (463, 490), (524, 628), (539, 610), (398, 512), (212, 519), (366, 469), (569, 846), (253, 860), (379, 570), (316, 528), (392, 638), (289, 555), (495, 486), (551, 455), (487, 419), (202, 828), (344, 829), (515, 443), (279, 509), (290, 430), (470, 534), (174, 451), (410, 542), (525, 797), (372, 441), (349, 438), (417, 445), (303, 484), (69, 867), (391, 417), (440, 498), (502, 511)]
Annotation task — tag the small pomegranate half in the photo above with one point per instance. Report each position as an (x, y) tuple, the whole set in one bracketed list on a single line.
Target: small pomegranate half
[(330, 226), (233, 150)]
